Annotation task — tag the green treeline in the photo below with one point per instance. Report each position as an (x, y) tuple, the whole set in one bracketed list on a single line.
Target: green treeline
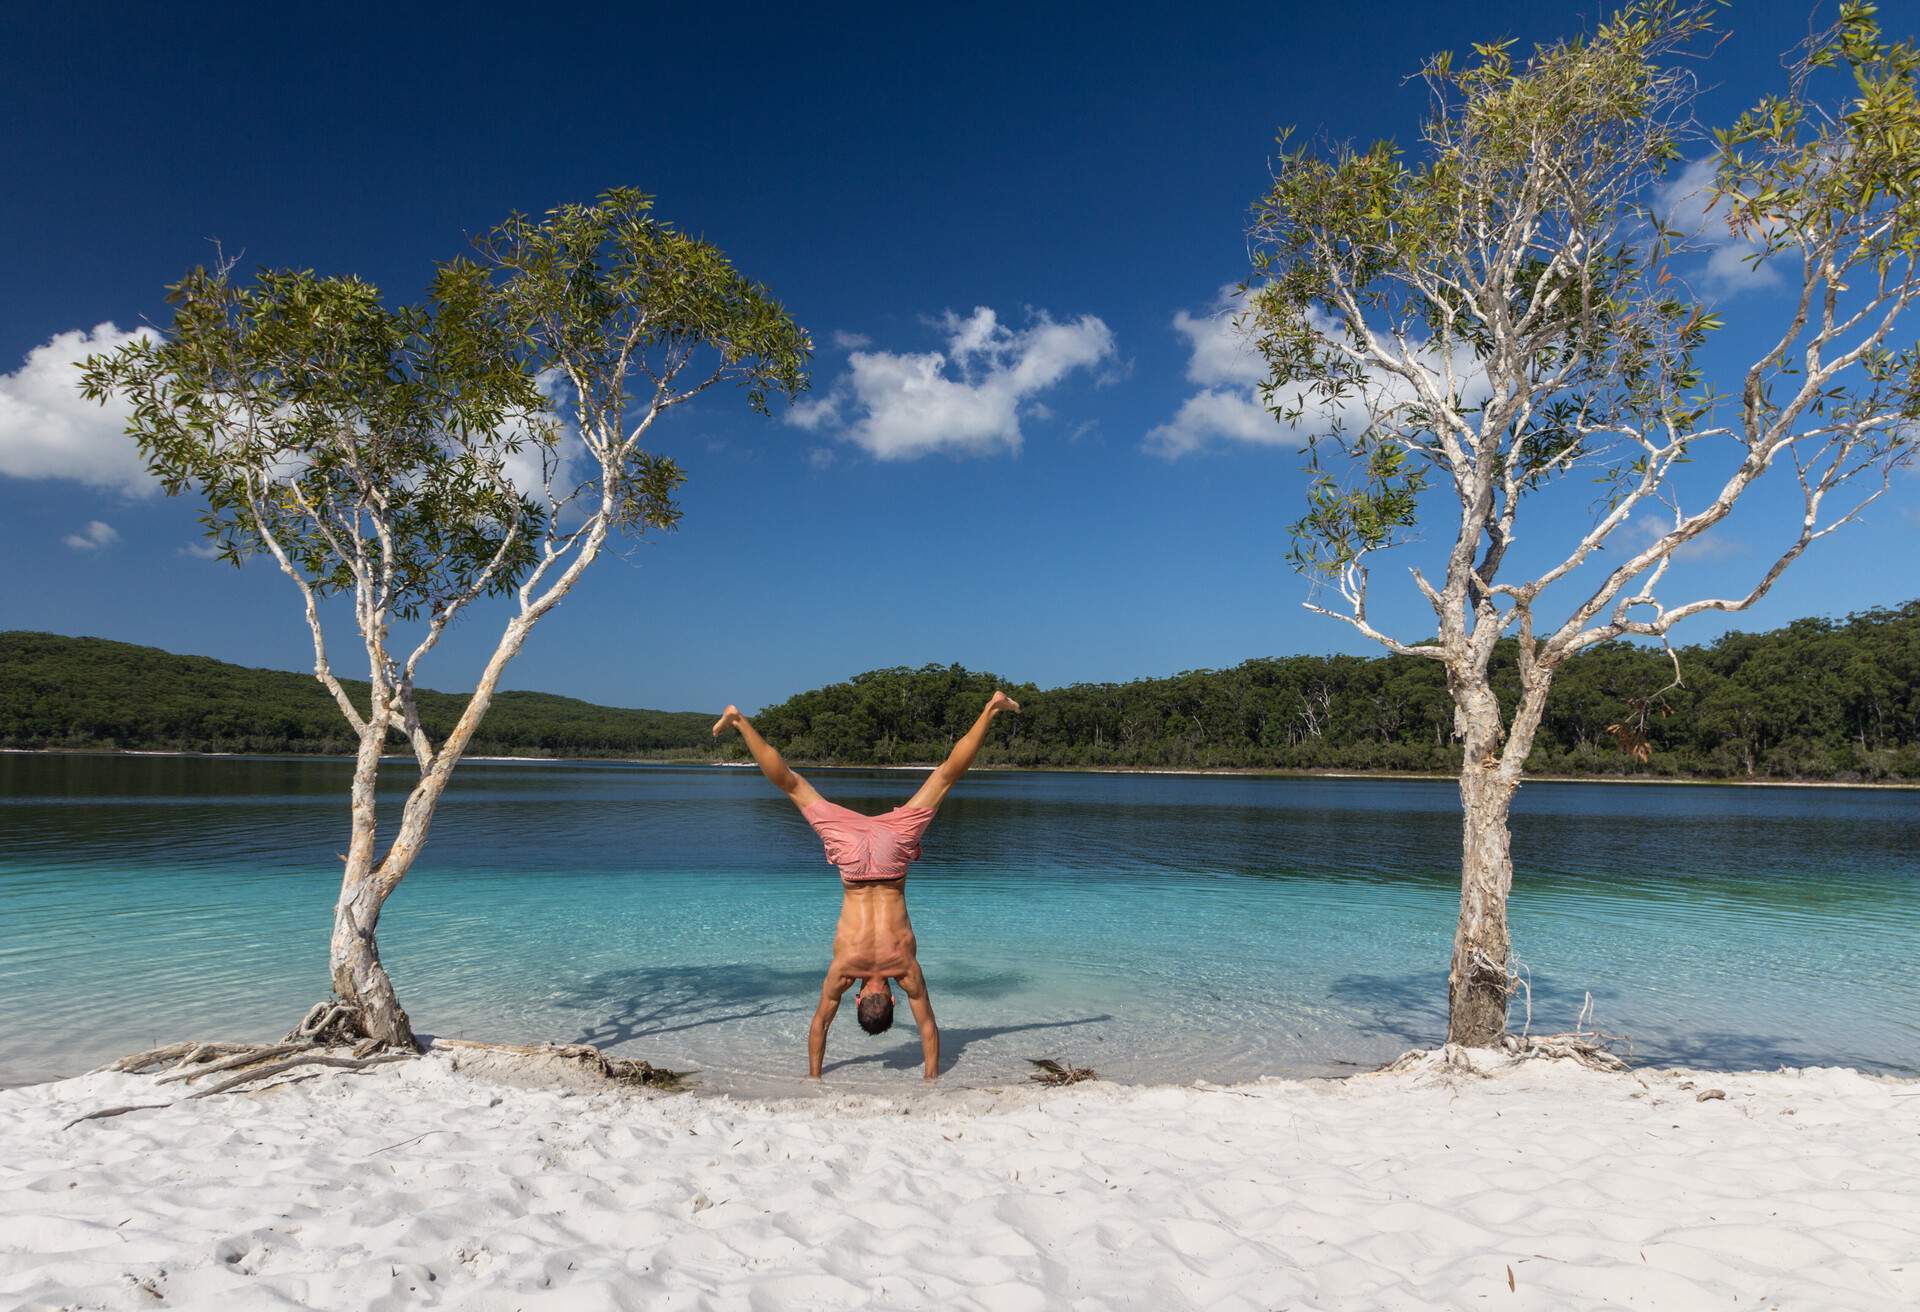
[(92, 693), (1817, 699)]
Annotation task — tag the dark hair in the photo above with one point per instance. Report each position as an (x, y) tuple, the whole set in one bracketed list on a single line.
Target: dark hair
[(876, 1011)]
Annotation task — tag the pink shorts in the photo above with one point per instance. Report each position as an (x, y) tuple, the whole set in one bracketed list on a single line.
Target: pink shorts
[(868, 848)]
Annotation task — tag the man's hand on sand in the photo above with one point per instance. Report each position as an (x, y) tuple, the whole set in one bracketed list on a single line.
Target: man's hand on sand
[(728, 718)]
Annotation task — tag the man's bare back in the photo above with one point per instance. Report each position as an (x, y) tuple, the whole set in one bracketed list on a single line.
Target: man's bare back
[(874, 944), (875, 936)]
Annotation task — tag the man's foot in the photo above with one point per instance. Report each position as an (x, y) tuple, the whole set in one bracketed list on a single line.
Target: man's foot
[(1001, 702), (728, 718)]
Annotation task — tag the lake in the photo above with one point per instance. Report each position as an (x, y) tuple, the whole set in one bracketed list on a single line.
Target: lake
[(1154, 927)]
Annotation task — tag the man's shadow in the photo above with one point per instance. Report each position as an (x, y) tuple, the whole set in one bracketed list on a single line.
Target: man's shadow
[(953, 1043), (646, 1002)]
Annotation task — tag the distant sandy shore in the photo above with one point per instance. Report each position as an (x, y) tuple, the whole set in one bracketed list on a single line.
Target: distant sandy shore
[(1249, 772), (1545, 1186)]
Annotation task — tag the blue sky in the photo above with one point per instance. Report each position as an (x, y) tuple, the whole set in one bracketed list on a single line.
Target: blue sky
[(1084, 174)]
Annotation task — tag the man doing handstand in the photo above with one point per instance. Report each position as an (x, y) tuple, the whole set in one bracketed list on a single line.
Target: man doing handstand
[(874, 944)]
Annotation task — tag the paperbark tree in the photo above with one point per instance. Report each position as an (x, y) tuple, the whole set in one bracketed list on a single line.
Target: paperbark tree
[(1503, 311), (417, 461)]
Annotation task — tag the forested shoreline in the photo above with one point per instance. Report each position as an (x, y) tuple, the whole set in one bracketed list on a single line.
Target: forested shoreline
[(82, 693), (1815, 700)]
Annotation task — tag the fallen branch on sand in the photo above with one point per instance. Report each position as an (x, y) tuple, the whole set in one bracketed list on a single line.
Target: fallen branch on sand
[(105, 1112), (1055, 1074), (620, 1070)]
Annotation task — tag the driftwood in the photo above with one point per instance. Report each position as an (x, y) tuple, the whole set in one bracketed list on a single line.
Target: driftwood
[(1055, 1074), (620, 1070), (105, 1112)]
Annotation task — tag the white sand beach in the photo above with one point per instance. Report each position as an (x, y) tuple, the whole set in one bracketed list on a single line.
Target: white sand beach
[(1542, 1186)]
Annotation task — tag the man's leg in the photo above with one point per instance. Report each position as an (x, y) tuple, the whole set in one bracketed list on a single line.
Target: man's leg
[(777, 771), (948, 774)]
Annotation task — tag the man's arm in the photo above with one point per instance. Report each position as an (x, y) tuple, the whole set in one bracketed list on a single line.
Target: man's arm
[(914, 985), (830, 990)]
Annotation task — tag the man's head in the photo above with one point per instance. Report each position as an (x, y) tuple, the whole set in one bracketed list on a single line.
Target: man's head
[(875, 1008)]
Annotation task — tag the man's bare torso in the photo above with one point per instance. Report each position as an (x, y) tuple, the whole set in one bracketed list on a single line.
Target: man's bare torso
[(874, 937)]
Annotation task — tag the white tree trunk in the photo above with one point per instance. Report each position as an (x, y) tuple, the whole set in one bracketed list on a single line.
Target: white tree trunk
[(354, 957), (1477, 983), (358, 975), (1479, 980)]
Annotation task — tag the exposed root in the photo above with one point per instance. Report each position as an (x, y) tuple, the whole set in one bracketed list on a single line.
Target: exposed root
[(619, 1070), (1055, 1074), (1450, 1059), (180, 1054), (1585, 1044), (250, 1057), (305, 1059), (316, 1041), (326, 1026), (332, 1023), (1587, 1049)]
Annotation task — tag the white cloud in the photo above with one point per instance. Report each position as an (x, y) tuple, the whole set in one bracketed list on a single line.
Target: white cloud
[(93, 537), (526, 468), (1223, 351), (1649, 526), (967, 399), (847, 341), (1222, 359), (815, 413), (1685, 203), (200, 551), (48, 430), (1229, 369), (820, 457), (1220, 413)]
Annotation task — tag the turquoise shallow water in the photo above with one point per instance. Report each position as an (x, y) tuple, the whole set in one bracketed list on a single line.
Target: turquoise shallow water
[(1154, 927)]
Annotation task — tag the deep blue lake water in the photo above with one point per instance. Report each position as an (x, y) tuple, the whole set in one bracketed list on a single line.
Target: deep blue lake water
[(1155, 927)]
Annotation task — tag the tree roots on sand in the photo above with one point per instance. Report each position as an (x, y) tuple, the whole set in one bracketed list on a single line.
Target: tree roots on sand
[(331, 1036), (1587, 1049)]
